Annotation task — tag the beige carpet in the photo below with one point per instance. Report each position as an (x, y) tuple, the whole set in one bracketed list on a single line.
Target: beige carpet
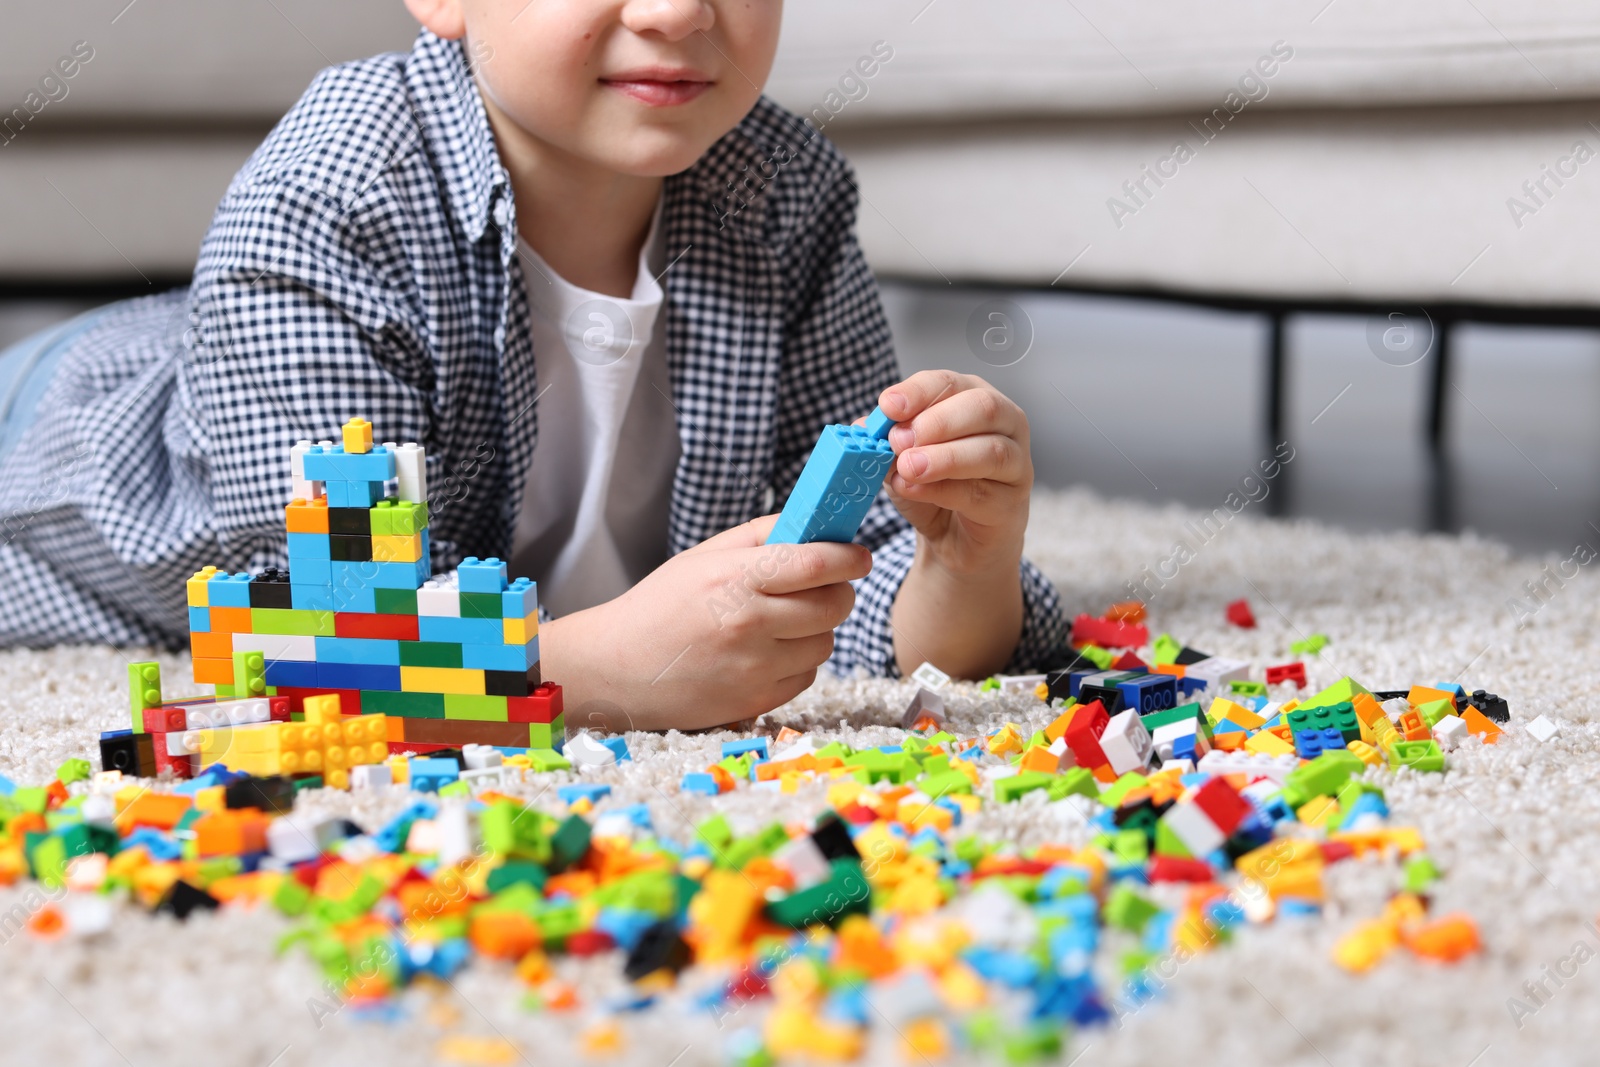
[(1516, 829)]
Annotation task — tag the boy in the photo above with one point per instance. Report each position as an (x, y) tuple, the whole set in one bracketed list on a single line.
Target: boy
[(514, 246)]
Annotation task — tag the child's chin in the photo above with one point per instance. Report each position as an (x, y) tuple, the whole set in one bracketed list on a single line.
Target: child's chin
[(653, 154)]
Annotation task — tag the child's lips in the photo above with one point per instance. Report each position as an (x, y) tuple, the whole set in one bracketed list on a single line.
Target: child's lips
[(655, 92)]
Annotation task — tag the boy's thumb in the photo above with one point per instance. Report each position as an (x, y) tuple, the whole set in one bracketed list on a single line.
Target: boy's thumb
[(750, 534)]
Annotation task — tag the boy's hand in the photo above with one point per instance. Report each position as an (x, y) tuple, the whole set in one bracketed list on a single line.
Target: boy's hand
[(963, 471), (725, 631)]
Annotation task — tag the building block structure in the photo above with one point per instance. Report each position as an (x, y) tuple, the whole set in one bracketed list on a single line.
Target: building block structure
[(444, 661), (838, 485)]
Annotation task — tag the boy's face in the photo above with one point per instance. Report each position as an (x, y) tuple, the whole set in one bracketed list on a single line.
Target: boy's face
[(642, 87)]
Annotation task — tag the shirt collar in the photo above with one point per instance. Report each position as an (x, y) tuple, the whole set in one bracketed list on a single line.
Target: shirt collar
[(456, 129)]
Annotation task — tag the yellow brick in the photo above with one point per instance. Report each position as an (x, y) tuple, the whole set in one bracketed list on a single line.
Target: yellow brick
[(323, 708), (1270, 744), (213, 799), (442, 680), (397, 548), (199, 597), (521, 631), (357, 436)]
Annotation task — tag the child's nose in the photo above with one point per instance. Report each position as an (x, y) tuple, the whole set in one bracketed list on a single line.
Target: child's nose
[(672, 19)]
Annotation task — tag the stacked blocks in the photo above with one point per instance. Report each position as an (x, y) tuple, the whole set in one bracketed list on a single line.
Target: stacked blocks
[(838, 485), (454, 660)]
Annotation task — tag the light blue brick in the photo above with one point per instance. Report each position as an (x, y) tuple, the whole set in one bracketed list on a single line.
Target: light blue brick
[(305, 571), (229, 590), (520, 600), (839, 483), (337, 465), (312, 597), (398, 575), (460, 631), (484, 657), (372, 651), (355, 598), (200, 619), (354, 494), (308, 546), (482, 575)]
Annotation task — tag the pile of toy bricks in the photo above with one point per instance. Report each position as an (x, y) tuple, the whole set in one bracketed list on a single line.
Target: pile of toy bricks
[(448, 661)]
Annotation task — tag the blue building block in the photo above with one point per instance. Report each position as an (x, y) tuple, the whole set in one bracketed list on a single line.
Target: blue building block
[(502, 657), (363, 599), (374, 651), (520, 599), (758, 745), (460, 631), (354, 494), (336, 465), (482, 575), (590, 791), (698, 782), (618, 746), (358, 676), (1188, 687), (229, 590), (312, 597), (1309, 744), (310, 571), (306, 546), (1149, 693), (297, 673), (838, 485), (427, 775), (395, 575), (200, 620)]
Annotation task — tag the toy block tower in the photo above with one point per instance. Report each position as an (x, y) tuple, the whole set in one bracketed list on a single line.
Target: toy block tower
[(450, 661)]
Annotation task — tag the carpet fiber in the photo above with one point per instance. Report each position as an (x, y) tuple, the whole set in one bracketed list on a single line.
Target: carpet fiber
[(1512, 826)]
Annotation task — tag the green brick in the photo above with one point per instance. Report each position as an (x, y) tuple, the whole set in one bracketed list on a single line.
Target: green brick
[(1341, 692), (1075, 780), (1340, 716), (1126, 909), (1249, 689), (249, 674), (548, 759), (430, 653), (547, 735), (403, 705), (481, 606), (1434, 710), (940, 785), (1114, 793), (1008, 789), (516, 872), (1166, 650), (73, 770), (476, 708), (1418, 755), (292, 622), (396, 601), (144, 691), (381, 520), (406, 518)]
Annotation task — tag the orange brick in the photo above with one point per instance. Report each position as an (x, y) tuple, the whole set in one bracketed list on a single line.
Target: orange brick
[(307, 516), (211, 646), (1177, 670), (1039, 758), (153, 809), (230, 620), (213, 671), (1479, 723), (230, 833), (505, 935), (1367, 708), (1127, 611)]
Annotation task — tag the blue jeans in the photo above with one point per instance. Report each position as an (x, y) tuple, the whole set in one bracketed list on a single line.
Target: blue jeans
[(25, 372)]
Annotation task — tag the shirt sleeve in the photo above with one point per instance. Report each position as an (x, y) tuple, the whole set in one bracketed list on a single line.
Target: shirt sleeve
[(838, 359)]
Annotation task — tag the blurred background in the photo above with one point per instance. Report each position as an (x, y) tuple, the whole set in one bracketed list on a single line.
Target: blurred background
[(1179, 234)]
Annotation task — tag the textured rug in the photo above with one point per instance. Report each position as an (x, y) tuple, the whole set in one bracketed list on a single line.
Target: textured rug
[(1513, 827)]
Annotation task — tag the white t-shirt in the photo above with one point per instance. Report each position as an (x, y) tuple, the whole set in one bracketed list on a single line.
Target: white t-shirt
[(594, 512)]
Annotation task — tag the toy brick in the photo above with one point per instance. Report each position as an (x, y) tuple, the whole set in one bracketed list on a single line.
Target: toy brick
[(543, 705), (204, 645), (346, 494), (350, 548), (442, 680), (548, 735), (130, 753), (213, 671), (312, 598), (481, 605), (513, 683), (1125, 742), (1149, 693), (249, 674), (291, 622), (476, 575), (144, 690), (228, 590), (463, 732), (304, 488), (399, 518), (350, 596), (270, 589), (352, 522), (199, 620), (516, 658), (398, 575), (430, 654), (375, 627), (396, 548), (293, 673), (380, 519), (840, 480), (459, 631), (356, 436), (358, 676), (520, 600), (305, 571), (308, 546), (340, 465), (440, 598), (198, 587), (350, 700), (358, 650), (396, 602), (411, 470), (306, 516), (475, 708), (404, 705), (520, 631)]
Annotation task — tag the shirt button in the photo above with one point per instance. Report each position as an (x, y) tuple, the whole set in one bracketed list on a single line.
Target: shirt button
[(502, 213)]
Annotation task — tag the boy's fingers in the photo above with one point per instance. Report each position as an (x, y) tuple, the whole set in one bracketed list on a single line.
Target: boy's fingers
[(977, 410), (779, 569), (986, 455), (978, 500), (745, 535), (910, 398)]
